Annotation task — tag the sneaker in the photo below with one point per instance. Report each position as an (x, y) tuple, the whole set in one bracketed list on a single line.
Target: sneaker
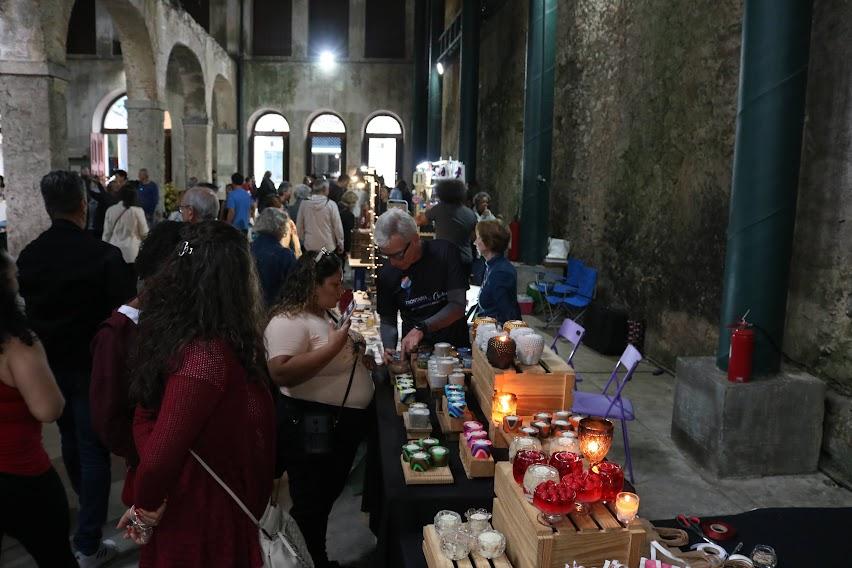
[(105, 554)]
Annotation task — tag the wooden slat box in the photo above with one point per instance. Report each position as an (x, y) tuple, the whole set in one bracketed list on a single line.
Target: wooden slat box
[(539, 388), (589, 540), (435, 559)]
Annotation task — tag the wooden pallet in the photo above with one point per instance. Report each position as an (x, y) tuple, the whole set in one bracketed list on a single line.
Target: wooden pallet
[(436, 559), (547, 386), (474, 467), (589, 540), (434, 476), (414, 433)]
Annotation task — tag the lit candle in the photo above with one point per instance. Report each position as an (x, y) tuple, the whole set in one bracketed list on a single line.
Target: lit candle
[(626, 506), (503, 404)]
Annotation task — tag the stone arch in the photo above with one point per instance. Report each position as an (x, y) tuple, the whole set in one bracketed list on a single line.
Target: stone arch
[(374, 114), (224, 105), (137, 50), (184, 70)]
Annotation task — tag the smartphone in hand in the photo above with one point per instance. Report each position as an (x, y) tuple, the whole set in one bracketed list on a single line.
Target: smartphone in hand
[(347, 314)]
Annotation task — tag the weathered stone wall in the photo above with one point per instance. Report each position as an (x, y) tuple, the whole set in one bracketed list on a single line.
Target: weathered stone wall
[(502, 75), (644, 124), (356, 90), (451, 104), (819, 312)]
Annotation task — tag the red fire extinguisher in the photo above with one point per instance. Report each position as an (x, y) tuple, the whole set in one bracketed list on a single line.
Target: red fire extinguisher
[(741, 351), (515, 245)]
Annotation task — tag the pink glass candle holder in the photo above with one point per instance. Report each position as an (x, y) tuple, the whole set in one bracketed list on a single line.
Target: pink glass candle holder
[(481, 449), (567, 463), (612, 478), (475, 436), (524, 459), (471, 426)]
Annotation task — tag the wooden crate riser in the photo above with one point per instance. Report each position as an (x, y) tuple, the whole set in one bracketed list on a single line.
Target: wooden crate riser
[(535, 388), (589, 540), (434, 476), (474, 467)]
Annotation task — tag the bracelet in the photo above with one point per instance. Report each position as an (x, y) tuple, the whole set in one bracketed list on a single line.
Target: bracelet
[(143, 529)]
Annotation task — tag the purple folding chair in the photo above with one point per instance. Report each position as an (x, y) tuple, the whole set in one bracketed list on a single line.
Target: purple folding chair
[(620, 408), (572, 332)]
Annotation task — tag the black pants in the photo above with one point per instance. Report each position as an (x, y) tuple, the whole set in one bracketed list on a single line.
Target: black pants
[(316, 481), (34, 510)]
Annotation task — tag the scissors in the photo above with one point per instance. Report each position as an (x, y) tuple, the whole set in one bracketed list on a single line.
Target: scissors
[(693, 524)]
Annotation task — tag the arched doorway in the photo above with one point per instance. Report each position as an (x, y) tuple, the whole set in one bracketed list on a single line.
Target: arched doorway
[(270, 147), (114, 129), (383, 147), (326, 145)]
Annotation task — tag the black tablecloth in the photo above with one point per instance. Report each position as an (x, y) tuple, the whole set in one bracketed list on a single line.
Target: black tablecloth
[(801, 537), (398, 512)]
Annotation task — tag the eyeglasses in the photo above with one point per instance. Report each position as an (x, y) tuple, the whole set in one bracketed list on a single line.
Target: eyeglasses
[(396, 255), (181, 207)]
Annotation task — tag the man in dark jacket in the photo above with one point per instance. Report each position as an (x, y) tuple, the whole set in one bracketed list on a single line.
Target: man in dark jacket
[(336, 189), (71, 282)]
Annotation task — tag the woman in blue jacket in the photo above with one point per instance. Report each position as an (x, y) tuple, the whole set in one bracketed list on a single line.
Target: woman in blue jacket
[(498, 297)]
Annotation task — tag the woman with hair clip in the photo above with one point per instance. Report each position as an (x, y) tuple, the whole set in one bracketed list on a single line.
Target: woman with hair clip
[(325, 381), (199, 379), (33, 505)]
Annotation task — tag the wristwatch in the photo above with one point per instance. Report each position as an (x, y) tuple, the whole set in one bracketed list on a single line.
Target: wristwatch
[(421, 325)]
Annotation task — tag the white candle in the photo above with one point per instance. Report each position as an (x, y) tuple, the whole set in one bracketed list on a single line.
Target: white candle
[(626, 506)]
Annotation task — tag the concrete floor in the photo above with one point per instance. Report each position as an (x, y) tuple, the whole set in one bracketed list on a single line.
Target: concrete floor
[(666, 481)]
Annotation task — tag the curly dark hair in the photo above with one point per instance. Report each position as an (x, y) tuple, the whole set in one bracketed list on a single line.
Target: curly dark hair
[(206, 290), (451, 191), (298, 294), (13, 322)]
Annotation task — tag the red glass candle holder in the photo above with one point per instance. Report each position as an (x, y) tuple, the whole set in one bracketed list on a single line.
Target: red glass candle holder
[(553, 500), (567, 463), (588, 486), (612, 479), (524, 459)]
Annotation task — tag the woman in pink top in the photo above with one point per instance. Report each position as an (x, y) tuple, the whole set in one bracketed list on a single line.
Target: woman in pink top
[(325, 381), (33, 506)]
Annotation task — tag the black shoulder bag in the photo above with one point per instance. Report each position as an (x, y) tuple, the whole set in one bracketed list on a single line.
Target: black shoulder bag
[(318, 425)]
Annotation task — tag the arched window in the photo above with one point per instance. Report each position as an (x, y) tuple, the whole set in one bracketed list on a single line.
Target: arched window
[(270, 147), (382, 147), (114, 129), (326, 145)]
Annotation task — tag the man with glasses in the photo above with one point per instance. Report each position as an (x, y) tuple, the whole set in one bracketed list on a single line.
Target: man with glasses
[(423, 281), (199, 204)]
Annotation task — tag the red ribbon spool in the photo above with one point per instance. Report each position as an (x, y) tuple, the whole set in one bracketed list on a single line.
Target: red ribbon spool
[(718, 530)]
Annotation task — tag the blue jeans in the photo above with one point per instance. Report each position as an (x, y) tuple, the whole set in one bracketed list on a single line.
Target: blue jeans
[(86, 460)]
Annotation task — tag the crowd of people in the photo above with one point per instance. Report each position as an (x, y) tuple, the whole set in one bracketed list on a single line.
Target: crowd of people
[(210, 340)]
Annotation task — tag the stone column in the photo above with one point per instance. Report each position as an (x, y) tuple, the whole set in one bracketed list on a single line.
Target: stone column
[(146, 139), (357, 29), (32, 105), (300, 28), (196, 147)]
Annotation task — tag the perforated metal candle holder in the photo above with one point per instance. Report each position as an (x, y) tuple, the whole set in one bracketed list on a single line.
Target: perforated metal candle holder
[(481, 320), (595, 435), (501, 352), (514, 324)]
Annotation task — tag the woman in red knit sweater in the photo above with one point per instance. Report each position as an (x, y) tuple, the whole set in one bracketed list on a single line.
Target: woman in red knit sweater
[(200, 382)]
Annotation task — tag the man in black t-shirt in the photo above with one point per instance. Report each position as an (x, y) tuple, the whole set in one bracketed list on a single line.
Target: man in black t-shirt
[(421, 280)]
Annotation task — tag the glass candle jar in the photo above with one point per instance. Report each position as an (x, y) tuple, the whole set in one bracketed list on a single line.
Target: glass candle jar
[(612, 477), (446, 521), (491, 544), (477, 520), (524, 459), (538, 473), (512, 423), (567, 463), (522, 443), (626, 506), (455, 544), (439, 456)]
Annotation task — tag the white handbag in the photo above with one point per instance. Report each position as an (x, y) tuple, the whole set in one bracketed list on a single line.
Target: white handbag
[(281, 541)]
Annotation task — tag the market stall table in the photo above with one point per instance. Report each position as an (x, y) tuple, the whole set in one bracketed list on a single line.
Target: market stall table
[(398, 511)]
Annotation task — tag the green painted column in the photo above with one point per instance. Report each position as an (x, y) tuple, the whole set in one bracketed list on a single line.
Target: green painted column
[(469, 88), (436, 27), (770, 118), (538, 130), (419, 120)]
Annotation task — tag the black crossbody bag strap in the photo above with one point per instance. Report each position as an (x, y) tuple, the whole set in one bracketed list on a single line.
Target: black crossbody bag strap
[(348, 386)]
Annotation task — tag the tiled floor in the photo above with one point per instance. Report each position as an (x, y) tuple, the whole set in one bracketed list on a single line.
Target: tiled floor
[(667, 482)]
